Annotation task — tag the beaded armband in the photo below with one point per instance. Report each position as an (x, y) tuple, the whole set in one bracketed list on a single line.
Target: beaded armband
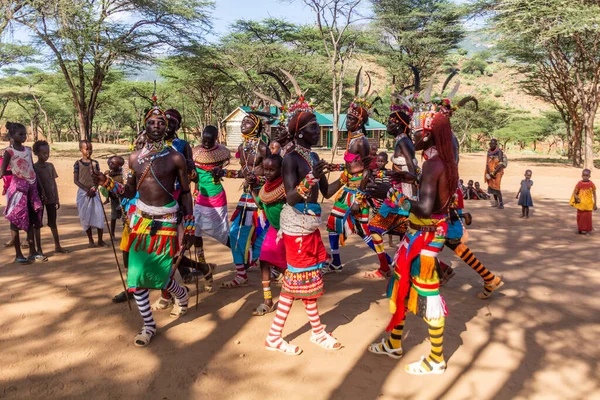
[(267, 295), (189, 225), (306, 185), (113, 187), (261, 180), (344, 178), (336, 167)]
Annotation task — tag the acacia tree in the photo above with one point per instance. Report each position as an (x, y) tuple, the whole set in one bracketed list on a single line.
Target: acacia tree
[(87, 38), (334, 19), (417, 33), (563, 46)]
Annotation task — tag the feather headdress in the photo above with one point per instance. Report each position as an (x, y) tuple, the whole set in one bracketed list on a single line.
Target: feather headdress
[(362, 105)]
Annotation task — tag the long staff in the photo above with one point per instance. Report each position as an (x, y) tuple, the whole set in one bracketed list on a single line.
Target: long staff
[(114, 251)]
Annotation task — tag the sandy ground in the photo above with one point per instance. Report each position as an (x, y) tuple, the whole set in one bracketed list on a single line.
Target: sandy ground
[(61, 337)]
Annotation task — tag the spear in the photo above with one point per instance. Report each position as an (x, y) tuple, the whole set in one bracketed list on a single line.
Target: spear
[(114, 250)]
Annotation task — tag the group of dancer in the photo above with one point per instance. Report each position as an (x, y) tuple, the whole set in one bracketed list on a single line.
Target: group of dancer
[(276, 222)]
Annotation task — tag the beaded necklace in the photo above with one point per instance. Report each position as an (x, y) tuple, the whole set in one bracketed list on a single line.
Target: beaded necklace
[(156, 150), (305, 154), (272, 192)]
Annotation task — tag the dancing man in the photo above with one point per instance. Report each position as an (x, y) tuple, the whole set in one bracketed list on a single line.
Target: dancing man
[(303, 177), (494, 170), (153, 239), (390, 220), (350, 213), (415, 284)]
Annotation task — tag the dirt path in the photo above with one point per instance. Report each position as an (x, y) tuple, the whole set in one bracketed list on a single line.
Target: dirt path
[(61, 337)]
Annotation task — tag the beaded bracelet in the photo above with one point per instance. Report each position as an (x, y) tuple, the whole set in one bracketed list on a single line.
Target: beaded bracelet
[(344, 178), (305, 186), (189, 225), (396, 197), (336, 167), (112, 186), (261, 180)]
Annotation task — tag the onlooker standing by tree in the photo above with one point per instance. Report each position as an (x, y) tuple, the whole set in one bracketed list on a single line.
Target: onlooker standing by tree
[(584, 200)]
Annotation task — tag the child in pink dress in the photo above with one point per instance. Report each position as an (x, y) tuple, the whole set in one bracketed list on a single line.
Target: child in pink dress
[(23, 206)]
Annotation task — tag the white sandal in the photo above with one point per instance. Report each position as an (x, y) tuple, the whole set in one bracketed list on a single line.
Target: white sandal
[(178, 310), (382, 348), (326, 341), (416, 368), (143, 338), (161, 304), (284, 347)]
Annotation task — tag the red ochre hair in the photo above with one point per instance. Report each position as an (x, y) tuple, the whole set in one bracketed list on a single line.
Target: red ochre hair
[(442, 135)]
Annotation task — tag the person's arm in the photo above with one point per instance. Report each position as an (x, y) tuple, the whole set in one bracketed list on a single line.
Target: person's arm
[(54, 177), (423, 208), (408, 153), (322, 165), (500, 165), (595, 206), (289, 171), (5, 163), (519, 192), (127, 190), (333, 188)]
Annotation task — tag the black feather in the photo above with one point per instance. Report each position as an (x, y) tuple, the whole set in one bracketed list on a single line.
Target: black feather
[(357, 82), (453, 73), (468, 99), (279, 81)]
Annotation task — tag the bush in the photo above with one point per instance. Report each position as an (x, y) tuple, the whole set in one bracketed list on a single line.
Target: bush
[(498, 93), (476, 73), (463, 52), (474, 65)]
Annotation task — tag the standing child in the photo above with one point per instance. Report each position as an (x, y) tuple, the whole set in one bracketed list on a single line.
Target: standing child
[(524, 194), (47, 175), (271, 198), (373, 153), (89, 205), (23, 207), (584, 200), (115, 171)]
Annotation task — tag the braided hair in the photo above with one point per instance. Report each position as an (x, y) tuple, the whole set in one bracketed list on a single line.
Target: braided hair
[(442, 136)]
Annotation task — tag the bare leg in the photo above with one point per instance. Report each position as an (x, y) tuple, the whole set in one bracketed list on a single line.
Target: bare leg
[(90, 238), (17, 244), (100, 241)]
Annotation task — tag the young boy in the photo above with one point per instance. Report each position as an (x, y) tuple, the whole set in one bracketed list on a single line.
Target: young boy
[(584, 200), (471, 192), (373, 149), (48, 190), (115, 166), (89, 205), (481, 194)]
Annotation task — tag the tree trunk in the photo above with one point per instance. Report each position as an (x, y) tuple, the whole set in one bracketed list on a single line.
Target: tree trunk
[(589, 140), (576, 146)]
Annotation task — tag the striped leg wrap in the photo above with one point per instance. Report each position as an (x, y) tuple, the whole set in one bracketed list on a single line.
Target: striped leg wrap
[(381, 254), (142, 299), (283, 309), (436, 337), (469, 258), (395, 339), (179, 293), (313, 316)]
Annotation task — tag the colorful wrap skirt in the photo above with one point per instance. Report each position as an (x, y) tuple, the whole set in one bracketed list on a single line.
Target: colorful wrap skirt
[(23, 204), (273, 250), (455, 228), (415, 284), (248, 229), (152, 246), (305, 253), (342, 221)]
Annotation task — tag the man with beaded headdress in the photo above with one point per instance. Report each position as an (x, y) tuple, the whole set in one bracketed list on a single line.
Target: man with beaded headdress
[(350, 213), (248, 223), (153, 240), (386, 219), (303, 179)]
